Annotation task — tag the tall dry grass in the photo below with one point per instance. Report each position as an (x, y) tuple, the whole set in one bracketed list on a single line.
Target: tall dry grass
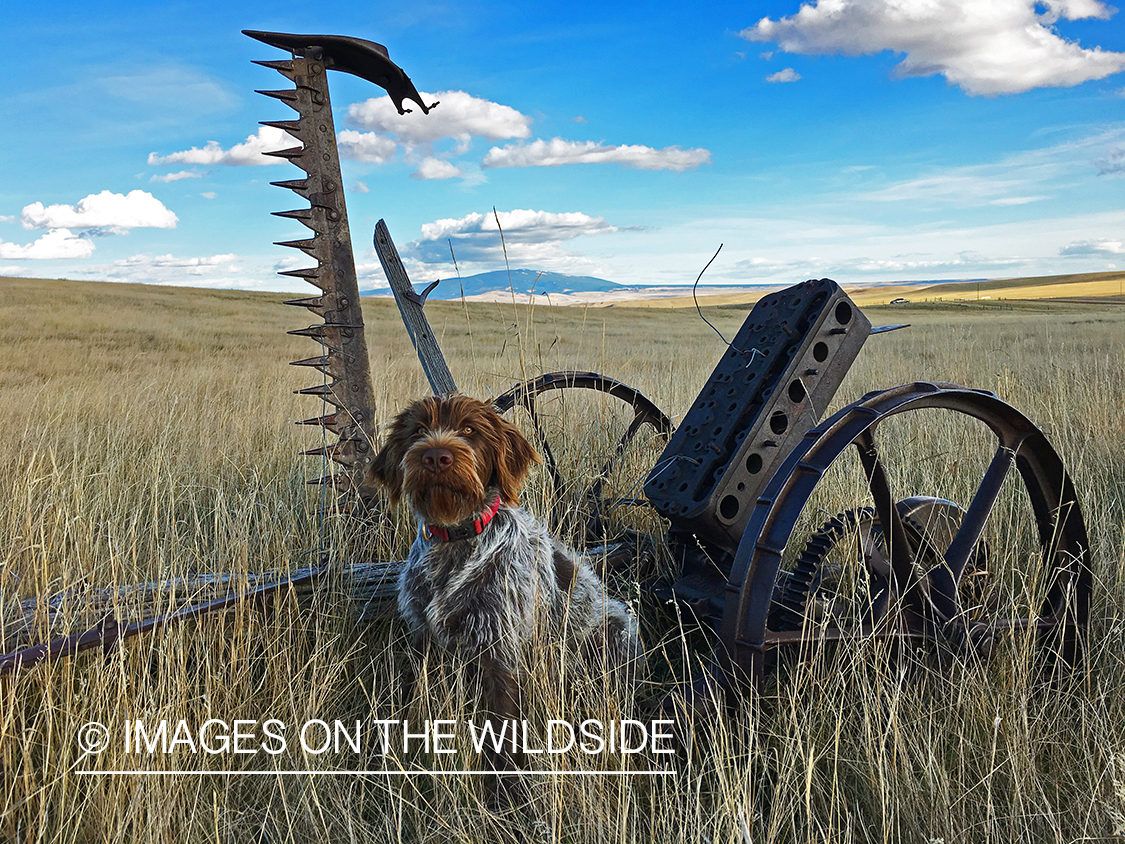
[(149, 435)]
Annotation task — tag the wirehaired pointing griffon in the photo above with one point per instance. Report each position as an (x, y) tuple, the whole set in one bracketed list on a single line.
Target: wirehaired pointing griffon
[(484, 576)]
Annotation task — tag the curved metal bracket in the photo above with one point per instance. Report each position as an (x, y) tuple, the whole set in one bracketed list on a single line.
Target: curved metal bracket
[(356, 56)]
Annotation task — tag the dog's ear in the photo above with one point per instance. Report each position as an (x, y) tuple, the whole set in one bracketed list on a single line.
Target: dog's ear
[(516, 456), (386, 469)]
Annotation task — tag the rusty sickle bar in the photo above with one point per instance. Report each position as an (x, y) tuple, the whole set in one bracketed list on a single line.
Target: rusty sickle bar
[(343, 361)]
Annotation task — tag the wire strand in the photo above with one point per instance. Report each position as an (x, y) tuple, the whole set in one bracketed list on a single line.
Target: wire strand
[(753, 352)]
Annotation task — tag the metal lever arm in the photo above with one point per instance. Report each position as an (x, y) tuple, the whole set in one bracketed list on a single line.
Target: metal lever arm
[(356, 56)]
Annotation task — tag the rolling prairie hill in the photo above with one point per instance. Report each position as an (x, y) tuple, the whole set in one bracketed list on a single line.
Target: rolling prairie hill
[(559, 289), (1105, 287)]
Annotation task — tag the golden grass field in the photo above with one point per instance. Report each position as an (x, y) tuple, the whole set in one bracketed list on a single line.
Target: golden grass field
[(149, 435)]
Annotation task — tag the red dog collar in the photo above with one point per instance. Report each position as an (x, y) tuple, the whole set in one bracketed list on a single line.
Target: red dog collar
[(465, 530)]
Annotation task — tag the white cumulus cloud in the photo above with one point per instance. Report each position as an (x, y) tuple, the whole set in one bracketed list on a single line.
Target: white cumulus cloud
[(436, 168), (114, 212), (532, 238), (175, 177), (159, 265), (460, 116), (1088, 248), (365, 146), (556, 152), (358, 146), (57, 243), (787, 75), (249, 152), (519, 225), (993, 47)]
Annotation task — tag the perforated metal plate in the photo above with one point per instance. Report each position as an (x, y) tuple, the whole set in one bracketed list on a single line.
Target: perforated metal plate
[(769, 388)]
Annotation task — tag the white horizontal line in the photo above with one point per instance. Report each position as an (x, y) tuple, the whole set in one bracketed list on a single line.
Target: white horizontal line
[(663, 773)]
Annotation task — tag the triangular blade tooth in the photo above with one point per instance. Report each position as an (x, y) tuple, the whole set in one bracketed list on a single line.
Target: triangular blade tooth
[(295, 156), (342, 452), (318, 390), (293, 127), (291, 153), (314, 331), (301, 214), (283, 66), (304, 216), (298, 185), (327, 392), (308, 272), (308, 245), (313, 303), (320, 362), (287, 96), (328, 422)]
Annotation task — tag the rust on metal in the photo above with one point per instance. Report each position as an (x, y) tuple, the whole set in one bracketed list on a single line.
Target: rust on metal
[(745, 634), (770, 386), (346, 383)]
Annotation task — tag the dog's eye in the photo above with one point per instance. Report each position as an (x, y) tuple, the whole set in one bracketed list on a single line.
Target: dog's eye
[(420, 431), (466, 430)]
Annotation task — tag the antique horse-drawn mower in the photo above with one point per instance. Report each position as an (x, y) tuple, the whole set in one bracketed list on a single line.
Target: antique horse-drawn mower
[(735, 478)]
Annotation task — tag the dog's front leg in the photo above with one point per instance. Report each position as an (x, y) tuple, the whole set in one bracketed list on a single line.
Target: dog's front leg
[(501, 692)]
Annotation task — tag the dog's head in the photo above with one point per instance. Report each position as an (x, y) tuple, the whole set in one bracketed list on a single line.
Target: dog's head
[(446, 452)]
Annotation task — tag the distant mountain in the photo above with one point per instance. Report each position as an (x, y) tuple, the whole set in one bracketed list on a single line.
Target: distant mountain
[(524, 282)]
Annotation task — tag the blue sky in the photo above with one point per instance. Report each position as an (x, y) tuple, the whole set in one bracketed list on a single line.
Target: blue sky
[(866, 140)]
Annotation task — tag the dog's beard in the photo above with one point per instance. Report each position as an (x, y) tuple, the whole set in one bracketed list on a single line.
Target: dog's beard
[(443, 505)]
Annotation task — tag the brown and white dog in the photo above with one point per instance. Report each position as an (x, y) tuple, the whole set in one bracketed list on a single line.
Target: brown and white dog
[(483, 576)]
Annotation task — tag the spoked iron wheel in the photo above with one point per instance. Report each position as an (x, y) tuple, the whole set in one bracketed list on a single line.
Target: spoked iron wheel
[(843, 572), (623, 419), (937, 583)]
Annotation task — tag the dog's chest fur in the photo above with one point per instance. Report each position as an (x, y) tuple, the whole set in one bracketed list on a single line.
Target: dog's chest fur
[(493, 591)]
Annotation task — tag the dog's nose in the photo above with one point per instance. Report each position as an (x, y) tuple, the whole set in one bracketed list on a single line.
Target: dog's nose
[(437, 459)]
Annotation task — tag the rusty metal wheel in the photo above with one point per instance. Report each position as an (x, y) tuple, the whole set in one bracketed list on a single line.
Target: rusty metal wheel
[(1040, 587), (621, 420)]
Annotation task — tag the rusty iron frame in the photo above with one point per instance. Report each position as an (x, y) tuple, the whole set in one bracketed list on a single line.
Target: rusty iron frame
[(745, 638)]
